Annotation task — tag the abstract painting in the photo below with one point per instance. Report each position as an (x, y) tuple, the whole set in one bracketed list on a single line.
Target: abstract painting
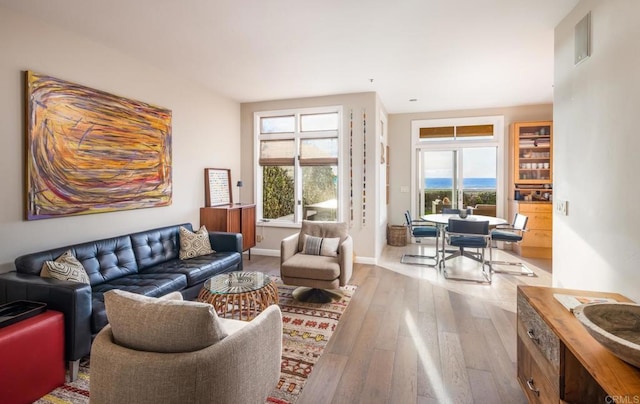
[(89, 151)]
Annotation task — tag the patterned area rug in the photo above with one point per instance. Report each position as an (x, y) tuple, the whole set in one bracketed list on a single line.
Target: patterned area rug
[(307, 328), (76, 392)]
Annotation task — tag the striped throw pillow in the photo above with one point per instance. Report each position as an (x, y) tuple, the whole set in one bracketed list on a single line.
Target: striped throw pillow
[(321, 246)]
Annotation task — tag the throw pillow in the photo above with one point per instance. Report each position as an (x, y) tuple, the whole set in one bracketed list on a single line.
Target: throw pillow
[(321, 246), (161, 325), (66, 267), (323, 229), (194, 244)]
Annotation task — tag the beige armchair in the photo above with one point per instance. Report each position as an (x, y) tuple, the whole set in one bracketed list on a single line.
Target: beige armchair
[(174, 351), (319, 259)]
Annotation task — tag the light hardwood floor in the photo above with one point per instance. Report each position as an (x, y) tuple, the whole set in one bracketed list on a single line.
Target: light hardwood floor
[(411, 336)]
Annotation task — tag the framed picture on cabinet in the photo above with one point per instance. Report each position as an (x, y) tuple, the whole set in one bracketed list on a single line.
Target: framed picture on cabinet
[(217, 187)]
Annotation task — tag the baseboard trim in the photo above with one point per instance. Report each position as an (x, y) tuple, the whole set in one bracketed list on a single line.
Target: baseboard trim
[(366, 260), (264, 251)]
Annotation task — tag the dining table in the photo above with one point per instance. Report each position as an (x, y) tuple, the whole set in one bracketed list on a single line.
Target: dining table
[(442, 219)]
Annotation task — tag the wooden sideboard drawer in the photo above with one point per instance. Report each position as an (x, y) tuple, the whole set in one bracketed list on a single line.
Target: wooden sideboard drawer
[(540, 221), (537, 331), (527, 208), (538, 238), (535, 384), (570, 366)]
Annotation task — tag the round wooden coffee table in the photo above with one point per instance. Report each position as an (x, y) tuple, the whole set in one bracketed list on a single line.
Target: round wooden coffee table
[(240, 295)]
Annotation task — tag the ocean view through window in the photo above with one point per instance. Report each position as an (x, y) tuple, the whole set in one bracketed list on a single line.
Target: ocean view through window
[(468, 183), (476, 191), (458, 163)]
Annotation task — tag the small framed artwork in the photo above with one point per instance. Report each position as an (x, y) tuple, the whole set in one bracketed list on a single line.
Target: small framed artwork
[(217, 187)]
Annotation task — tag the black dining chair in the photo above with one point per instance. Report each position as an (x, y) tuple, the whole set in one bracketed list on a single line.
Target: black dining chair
[(420, 230), (469, 234), (511, 233)]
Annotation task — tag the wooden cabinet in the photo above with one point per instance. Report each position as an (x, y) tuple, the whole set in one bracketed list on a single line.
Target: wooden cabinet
[(533, 160), (558, 361), (532, 185), (239, 218), (537, 240)]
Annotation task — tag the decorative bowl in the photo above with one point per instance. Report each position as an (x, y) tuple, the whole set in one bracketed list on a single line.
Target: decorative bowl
[(615, 325)]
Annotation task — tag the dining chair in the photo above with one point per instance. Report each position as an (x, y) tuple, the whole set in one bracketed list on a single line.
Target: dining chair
[(511, 233), (421, 229), (450, 211), (468, 234), (455, 211)]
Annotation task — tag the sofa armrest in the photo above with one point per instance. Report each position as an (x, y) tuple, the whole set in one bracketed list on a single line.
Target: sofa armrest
[(346, 260), (288, 247), (73, 299), (227, 242)]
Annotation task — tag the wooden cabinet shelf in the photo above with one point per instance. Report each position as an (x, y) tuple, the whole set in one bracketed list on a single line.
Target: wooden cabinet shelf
[(558, 361), (239, 218), (533, 152)]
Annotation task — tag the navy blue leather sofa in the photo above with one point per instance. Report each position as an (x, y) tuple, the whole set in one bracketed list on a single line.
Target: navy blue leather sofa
[(145, 262)]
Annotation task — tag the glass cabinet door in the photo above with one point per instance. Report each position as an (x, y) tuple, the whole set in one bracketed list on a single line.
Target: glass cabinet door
[(533, 158)]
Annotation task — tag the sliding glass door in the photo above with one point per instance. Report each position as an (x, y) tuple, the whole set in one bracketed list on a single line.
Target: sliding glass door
[(438, 180), (457, 177), (479, 179)]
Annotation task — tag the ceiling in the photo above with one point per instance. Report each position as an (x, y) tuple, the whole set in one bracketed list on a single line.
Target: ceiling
[(447, 54)]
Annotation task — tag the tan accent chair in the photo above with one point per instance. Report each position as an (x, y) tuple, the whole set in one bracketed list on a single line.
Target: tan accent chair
[(181, 365), (319, 276)]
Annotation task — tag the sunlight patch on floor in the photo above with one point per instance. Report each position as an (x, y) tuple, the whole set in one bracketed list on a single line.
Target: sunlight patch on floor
[(426, 360)]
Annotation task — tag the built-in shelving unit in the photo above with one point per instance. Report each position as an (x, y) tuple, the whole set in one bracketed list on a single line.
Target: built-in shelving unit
[(533, 185), (533, 160)]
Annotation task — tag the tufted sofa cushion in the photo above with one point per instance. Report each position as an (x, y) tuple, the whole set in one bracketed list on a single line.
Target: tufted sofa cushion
[(157, 246), (103, 260)]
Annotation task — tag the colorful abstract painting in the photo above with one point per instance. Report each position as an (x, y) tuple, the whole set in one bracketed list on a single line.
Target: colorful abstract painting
[(89, 151)]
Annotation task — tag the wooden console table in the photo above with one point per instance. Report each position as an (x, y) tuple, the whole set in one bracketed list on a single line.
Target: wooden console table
[(238, 218), (559, 362)]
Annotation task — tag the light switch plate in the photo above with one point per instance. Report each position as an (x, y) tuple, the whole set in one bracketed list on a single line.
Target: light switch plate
[(562, 207)]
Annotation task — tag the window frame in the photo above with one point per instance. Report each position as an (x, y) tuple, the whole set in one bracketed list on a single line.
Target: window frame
[(297, 135), (498, 140)]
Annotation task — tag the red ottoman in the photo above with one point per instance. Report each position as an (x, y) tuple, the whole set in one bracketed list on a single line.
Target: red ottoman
[(32, 358)]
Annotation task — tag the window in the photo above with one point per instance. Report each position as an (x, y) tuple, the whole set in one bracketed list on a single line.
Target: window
[(457, 162), (298, 165), (457, 132)]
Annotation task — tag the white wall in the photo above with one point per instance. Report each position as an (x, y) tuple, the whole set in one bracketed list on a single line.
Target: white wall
[(206, 131), (597, 151), (364, 236)]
